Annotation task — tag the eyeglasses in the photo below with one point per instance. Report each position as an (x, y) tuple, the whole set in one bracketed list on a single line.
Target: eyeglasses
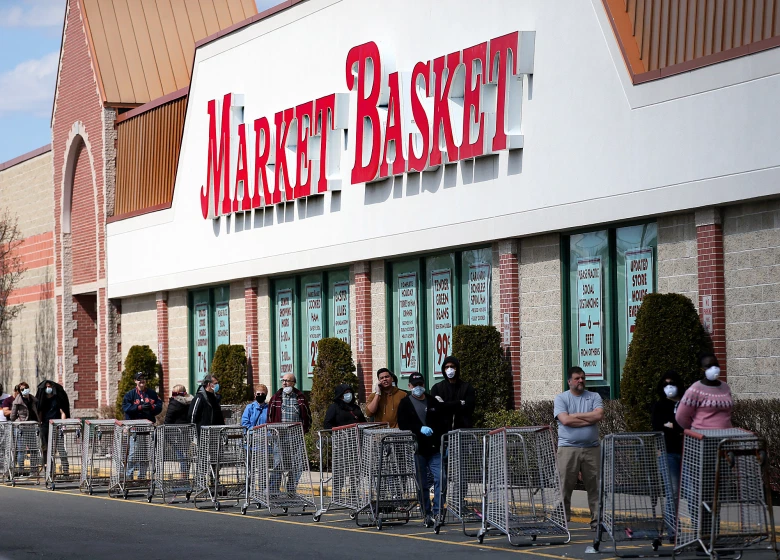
[(288, 381)]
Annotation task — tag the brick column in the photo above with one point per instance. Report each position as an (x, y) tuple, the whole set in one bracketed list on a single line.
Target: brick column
[(712, 293), (362, 346), (252, 353), (510, 311), (162, 338)]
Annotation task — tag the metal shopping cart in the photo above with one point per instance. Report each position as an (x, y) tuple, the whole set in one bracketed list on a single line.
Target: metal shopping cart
[(523, 498), (63, 456), (97, 450), (6, 451), (133, 453), (462, 464), (279, 478), (725, 501), (635, 496), (175, 460), (339, 451), (26, 457), (221, 471), (388, 482)]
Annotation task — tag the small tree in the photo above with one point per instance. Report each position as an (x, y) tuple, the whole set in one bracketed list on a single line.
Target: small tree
[(334, 367), (483, 365), (11, 271), (139, 358), (668, 336), (229, 367)]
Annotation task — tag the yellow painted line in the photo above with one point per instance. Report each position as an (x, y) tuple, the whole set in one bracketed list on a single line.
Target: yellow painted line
[(290, 522)]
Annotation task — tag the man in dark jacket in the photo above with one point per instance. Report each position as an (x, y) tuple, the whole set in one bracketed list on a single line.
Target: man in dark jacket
[(141, 403), (419, 413), (344, 410), (456, 397), (204, 408), (53, 404)]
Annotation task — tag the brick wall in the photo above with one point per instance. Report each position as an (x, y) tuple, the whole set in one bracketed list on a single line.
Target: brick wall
[(752, 279), (510, 311), (677, 264), (85, 382), (83, 222), (540, 317), (178, 356), (250, 306), (161, 299), (709, 243)]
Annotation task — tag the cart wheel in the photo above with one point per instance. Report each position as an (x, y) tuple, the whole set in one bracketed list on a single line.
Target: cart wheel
[(258, 506), (124, 494), (149, 498), (533, 538), (188, 494), (481, 537), (316, 517), (243, 509), (352, 515), (437, 528), (656, 544), (13, 483), (216, 506), (91, 491), (596, 544), (378, 524), (51, 487), (284, 509)]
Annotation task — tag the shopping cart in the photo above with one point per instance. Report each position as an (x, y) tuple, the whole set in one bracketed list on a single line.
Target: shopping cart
[(97, 450), (133, 453), (339, 451), (462, 464), (725, 500), (175, 459), (635, 495), (388, 482), (6, 451), (221, 471), (63, 456), (26, 458), (522, 497), (278, 478)]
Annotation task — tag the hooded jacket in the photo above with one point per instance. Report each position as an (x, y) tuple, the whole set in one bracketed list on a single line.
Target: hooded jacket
[(340, 413), (408, 419), (205, 410), (178, 410), (58, 393), (255, 414), (133, 405), (454, 395), (275, 408), (663, 412)]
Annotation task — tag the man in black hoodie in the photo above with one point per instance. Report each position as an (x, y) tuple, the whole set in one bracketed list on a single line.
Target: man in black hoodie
[(204, 408), (456, 397), (344, 410)]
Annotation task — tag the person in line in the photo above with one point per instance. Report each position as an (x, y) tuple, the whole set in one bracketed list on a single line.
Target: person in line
[(344, 410), (457, 398), (178, 406), (256, 413), (287, 405), (578, 413), (25, 405), (53, 404), (384, 400), (662, 417), (419, 413), (140, 403), (8, 403), (707, 404), (204, 408), (3, 397)]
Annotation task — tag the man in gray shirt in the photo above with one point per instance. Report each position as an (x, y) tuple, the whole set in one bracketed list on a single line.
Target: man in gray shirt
[(578, 413)]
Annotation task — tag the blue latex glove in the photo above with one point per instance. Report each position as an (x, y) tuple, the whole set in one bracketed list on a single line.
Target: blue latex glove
[(426, 431)]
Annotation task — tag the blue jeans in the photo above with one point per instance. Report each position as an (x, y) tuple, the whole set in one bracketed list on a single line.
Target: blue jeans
[(429, 466), (673, 463), (132, 464)]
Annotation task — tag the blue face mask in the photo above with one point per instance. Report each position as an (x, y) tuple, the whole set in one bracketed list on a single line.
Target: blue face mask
[(347, 397), (216, 387), (418, 391)]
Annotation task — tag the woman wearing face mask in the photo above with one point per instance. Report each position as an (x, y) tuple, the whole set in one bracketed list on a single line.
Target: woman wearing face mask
[(344, 410), (670, 390), (178, 406), (707, 404), (25, 405), (256, 413)]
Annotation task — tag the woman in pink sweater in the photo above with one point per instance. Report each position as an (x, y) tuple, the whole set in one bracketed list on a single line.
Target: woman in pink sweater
[(707, 404)]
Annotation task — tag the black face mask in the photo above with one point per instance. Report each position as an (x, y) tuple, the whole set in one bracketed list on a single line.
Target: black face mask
[(260, 398)]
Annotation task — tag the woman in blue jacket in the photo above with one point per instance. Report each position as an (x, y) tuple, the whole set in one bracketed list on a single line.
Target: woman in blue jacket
[(256, 413)]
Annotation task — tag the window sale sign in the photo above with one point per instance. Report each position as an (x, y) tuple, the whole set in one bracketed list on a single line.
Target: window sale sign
[(407, 322), (458, 106), (284, 311), (589, 314), (441, 282), (639, 283), (314, 322)]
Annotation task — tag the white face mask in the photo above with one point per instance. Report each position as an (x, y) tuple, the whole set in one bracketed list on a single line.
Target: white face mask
[(347, 397), (25, 392), (49, 390), (287, 390), (670, 391), (418, 391), (712, 373), (450, 372)]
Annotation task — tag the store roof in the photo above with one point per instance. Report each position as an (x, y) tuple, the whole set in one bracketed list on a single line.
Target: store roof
[(144, 48)]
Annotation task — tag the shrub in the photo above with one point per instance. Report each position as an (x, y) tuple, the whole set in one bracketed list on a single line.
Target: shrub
[(229, 367), (334, 367), (509, 418), (139, 358), (668, 336), (483, 365), (762, 416)]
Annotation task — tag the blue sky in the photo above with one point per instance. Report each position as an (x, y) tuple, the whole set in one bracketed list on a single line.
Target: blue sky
[(30, 35)]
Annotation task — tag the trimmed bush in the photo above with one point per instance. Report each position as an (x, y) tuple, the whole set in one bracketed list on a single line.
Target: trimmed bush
[(334, 367), (483, 365), (139, 358), (762, 416), (668, 335), (229, 367)]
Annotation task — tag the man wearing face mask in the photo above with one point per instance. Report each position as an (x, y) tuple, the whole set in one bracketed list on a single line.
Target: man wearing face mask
[(53, 404), (289, 404), (204, 408), (707, 404), (256, 413), (456, 397), (344, 410), (670, 390), (420, 414)]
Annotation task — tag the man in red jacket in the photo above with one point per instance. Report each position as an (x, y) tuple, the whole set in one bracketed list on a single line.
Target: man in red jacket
[(288, 405)]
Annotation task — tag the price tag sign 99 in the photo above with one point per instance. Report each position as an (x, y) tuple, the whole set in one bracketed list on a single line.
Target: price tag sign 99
[(314, 312), (441, 284), (407, 321), (202, 339)]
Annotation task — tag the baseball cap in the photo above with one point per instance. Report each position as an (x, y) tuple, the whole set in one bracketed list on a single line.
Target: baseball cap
[(416, 379), (139, 376)]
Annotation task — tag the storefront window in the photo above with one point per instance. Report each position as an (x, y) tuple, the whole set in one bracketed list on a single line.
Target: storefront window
[(609, 271), (209, 326)]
